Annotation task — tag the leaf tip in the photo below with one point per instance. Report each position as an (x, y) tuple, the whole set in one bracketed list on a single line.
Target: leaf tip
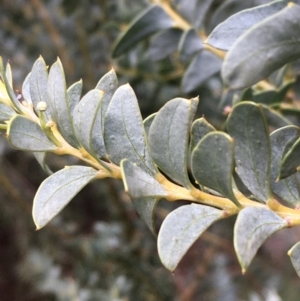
[(289, 253), (244, 271)]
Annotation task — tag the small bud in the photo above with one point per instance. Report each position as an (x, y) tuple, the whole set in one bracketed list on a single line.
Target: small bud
[(42, 106)]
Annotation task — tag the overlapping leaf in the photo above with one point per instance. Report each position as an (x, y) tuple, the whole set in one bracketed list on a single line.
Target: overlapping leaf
[(252, 227), (168, 138), (108, 84), (150, 21), (85, 116), (25, 134), (41, 158), (13, 100), (190, 43), (124, 133), (294, 254), (194, 10), (213, 163), (247, 126), (74, 94), (287, 189), (254, 57), (58, 190), (227, 32), (6, 112), (203, 66), (290, 161), (181, 228), (38, 85), (164, 44), (199, 129), (147, 123), (144, 191), (26, 89), (59, 103)]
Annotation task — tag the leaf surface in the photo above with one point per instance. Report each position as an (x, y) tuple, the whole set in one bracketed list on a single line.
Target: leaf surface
[(294, 254), (124, 133), (227, 32), (213, 163), (84, 118), (25, 134), (38, 85), (144, 191), (287, 189), (199, 129), (59, 103), (58, 190), (108, 84), (252, 227), (26, 89), (12, 96), (6, 112), (203, 66), (181, 228), (168, 138), (41, 158), (74, 94), (189, 44), (164, 44), (150, 21), (290, 161), (254, 57), (247, 126)]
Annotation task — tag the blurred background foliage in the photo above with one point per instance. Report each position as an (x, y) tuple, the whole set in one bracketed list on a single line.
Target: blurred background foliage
[(98, 248)]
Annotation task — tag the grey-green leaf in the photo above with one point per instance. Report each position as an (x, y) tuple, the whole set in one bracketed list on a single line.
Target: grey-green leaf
[(164, 44), (254, 57), (168, 138), (41, 158), (247, 126), (25, 134), (189, 44), (59, 103), (213, 163), (6, 112), (85, 117), (269, 97), (58, 190), (140, 184), (287, 189), (39, 85), (227, 32), (14, 100), (74, 94), (252, 227), (144, 191), (294, 254), (199, 129), (181, 228), (26, 89), (8, 73), (124, 134), (145, 207), (147, 123), (150, 21), (274, 118), (108, 84), (290, 161), (203, 66)]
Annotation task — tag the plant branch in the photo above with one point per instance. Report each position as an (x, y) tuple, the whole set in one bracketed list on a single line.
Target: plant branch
[(176, 193)]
